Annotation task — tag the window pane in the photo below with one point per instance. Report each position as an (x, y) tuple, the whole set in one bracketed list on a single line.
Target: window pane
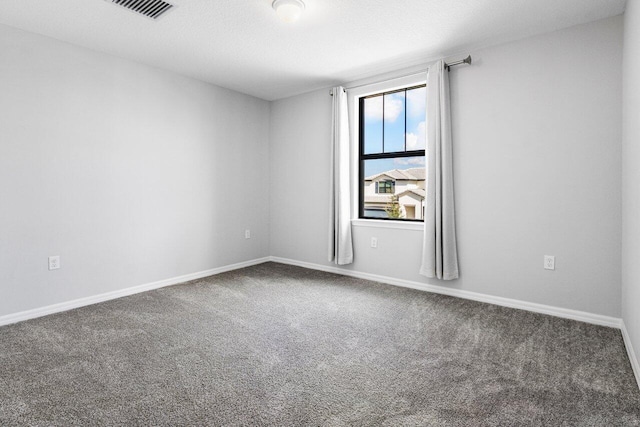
[(386, 186), (394, 122), (416, 113), (373, 125), (403, 177), (376, 213)]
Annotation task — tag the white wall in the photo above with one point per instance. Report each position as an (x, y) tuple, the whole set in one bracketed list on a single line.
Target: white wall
[(537, 155), (129, 173), (134, 175), (631, 176)]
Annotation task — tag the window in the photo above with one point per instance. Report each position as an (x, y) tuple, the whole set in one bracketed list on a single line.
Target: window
[(392, 141), (383, 187)]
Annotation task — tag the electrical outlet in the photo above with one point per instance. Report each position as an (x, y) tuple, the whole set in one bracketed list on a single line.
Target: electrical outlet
[(54, 262), (549, 262), (374, 242), (247, 234)]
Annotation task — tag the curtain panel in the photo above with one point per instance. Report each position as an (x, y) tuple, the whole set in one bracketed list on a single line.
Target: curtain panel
[(340, 241), (439, 251)]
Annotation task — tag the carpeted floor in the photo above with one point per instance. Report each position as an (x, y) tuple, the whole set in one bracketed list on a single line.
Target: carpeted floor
[(281, 345)]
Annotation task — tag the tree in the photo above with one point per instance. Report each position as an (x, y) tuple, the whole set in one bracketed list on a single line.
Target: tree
[(393, 208)]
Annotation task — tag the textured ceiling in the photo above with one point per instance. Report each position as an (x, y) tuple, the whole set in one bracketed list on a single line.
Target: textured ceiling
[(242, 45)]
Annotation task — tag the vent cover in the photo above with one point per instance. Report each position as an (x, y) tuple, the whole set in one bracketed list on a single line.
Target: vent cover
[(150, 8)]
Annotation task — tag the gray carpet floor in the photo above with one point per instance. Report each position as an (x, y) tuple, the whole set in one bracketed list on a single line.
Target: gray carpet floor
[(280, 345)]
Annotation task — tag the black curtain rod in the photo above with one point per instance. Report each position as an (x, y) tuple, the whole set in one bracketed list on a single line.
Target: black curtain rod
[(466, 60)]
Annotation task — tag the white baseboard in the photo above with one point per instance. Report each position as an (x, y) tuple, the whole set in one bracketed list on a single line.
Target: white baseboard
[(582, 316), (81, 302), (635, 365)]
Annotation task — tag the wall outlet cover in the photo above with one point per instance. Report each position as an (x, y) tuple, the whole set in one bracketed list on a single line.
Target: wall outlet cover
[(549, 262), (54, 262)]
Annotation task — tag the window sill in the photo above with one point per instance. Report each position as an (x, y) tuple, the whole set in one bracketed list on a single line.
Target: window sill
[(418, 226)]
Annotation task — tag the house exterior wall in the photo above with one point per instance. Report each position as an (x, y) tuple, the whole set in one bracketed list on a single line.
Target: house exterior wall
[(373, 199)]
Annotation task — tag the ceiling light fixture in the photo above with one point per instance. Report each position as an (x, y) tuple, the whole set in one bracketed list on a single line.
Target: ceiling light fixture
[(288, 10)]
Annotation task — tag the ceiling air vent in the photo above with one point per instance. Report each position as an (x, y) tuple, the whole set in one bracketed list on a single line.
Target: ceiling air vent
[(150, 8)]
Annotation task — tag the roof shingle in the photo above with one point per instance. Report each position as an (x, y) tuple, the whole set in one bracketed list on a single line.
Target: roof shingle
[(412, 174)]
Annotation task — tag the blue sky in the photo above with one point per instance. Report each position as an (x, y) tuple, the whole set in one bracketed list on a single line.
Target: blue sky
[(393, 128)]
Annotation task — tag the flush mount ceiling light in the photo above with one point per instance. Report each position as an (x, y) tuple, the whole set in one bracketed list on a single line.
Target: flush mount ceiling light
[(288, 10)]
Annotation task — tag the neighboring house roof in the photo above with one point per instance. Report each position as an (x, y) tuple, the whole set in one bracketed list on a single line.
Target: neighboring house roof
[(417, 191), (419, 173), (412, 174), (383, 176)]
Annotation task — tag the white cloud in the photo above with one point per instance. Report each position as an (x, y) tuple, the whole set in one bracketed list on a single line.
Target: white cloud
[(373, 108), (393, 106), (418, 140), (412, 161), (417, 102)]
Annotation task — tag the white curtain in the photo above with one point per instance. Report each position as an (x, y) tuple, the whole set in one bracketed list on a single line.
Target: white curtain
[(439, 252), (340, 243)]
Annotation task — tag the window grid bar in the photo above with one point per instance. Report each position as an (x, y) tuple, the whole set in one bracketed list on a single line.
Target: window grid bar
[(405, 120), (361, 168), (395, 154), (383, 99)]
